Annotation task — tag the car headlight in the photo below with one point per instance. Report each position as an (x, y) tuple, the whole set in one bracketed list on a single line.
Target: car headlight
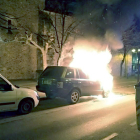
[(36, 93)]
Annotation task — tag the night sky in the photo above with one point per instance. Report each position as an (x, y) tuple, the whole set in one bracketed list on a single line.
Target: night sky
[(105, 15), (104, 18)]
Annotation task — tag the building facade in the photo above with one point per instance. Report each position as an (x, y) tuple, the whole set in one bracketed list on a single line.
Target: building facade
[(17, 61)]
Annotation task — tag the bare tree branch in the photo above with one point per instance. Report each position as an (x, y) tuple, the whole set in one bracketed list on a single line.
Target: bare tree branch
[(6, 15), (63, 25), (68, 33), (8, 28)]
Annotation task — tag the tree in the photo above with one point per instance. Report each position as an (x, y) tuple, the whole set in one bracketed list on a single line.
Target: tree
[(131, 39), (63, 22)]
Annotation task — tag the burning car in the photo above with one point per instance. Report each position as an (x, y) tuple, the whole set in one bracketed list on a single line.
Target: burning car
[(67, 82)]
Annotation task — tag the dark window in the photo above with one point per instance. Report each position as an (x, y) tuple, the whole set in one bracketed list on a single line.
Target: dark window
[(69, 73), (82, 74), (134, 62), (3, 83), (52, 72), (134, 58)]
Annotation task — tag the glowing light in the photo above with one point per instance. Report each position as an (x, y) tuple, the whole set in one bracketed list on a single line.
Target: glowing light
[(100, 97), (95, 65), (112, 98), (133, 50)]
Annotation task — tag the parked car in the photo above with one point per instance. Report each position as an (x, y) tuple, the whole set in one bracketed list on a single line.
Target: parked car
[(66, 82), (14, 98)]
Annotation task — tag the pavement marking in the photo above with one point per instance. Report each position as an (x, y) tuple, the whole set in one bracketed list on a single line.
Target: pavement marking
[(111, 136), (134, 123)]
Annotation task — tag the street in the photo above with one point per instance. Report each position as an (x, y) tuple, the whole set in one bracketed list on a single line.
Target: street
[(91, 119)]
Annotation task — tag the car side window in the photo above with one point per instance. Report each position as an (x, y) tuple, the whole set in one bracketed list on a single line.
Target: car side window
[(3, 83), (69, 73), (82, 74)]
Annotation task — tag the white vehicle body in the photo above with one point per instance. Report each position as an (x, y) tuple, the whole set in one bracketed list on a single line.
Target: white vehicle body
[(11, 99)]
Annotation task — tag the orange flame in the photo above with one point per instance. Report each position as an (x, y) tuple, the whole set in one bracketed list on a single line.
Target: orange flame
[(95, 65)]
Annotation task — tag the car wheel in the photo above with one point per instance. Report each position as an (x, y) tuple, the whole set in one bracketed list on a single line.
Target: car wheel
[(73, 97), (25, 106)]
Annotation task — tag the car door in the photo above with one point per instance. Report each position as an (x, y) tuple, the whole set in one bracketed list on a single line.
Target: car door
[(69, 79), (83, 82), (95, 88), (7, 97)]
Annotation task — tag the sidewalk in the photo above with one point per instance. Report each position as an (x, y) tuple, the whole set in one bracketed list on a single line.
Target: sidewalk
[(123, 85)]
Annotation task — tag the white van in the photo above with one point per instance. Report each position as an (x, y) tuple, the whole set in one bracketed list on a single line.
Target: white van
[(14, 98)]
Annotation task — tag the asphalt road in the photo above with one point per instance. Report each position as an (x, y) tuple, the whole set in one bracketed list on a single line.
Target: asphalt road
[(93, 120), (90, 119)]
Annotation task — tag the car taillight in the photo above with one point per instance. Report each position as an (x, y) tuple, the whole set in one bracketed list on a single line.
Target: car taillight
[(36, 93)]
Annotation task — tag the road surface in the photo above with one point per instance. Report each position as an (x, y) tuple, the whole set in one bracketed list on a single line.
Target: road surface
[(100, 119)]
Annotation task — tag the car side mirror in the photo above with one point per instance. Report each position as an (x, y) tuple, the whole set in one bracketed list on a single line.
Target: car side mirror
[(16, 86), (7, 87)]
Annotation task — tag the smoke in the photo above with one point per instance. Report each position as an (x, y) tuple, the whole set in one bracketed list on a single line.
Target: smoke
[(106, 20)]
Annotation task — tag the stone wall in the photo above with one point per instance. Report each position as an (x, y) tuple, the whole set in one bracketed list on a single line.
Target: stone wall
[(18, 61)]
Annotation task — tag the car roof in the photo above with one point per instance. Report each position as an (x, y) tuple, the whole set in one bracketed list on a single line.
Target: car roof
[(63, 67), (59, 66)]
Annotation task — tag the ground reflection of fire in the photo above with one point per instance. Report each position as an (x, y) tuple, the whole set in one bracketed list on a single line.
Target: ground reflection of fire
[(95, 65)]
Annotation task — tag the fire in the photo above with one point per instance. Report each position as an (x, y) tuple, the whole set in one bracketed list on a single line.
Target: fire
[(96, 65)]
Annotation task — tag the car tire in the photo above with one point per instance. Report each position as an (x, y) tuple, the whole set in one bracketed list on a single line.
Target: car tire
[(25, 106), (73, 97)]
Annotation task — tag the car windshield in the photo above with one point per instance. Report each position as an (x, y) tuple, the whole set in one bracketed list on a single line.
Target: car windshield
[(52, 72), (4, 81)]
